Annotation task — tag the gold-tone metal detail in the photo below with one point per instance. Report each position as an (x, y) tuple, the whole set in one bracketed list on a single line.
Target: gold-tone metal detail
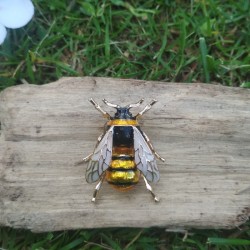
[(121, 122)]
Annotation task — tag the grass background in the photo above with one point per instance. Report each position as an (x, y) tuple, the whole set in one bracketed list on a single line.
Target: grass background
[(181, 41)]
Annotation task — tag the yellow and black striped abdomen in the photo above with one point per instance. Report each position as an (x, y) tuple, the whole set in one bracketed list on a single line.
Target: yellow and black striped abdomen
[(122, 172)]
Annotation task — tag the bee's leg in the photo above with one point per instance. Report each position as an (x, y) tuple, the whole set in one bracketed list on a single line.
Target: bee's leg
[(148, 107), (87, 158), (152, 148), (97, 106), (149, 188), (97, 188)]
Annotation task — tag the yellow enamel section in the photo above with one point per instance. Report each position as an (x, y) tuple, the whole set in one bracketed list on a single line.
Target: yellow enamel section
[(123, 177), (125, 164), (121, 122)]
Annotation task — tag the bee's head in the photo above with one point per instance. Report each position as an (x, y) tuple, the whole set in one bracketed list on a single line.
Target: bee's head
[(123, 113)]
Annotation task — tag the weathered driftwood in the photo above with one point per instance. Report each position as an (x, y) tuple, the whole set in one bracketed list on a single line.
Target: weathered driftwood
[(203, 131)]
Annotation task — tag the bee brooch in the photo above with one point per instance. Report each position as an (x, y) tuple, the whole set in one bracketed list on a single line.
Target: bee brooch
[(123, 152)]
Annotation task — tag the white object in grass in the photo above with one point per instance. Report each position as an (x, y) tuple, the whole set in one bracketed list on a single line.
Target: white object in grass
[(14, 14)]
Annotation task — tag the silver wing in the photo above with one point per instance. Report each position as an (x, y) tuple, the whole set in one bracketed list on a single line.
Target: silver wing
[(101, 157), (144, 157)]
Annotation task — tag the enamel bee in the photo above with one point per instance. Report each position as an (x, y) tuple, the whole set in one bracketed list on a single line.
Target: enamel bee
[(123, 152)]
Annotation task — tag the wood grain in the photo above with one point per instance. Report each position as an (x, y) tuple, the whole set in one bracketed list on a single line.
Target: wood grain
[(203, 131)]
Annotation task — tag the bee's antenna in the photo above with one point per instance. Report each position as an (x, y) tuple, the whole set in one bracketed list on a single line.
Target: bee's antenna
[(110, 104), (134, 105)]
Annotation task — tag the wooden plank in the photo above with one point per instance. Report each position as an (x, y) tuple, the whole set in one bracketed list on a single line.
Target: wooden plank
[(203, 131)]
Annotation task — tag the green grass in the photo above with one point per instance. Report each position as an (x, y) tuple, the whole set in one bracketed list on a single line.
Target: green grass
[(181, 41), (131, 239)]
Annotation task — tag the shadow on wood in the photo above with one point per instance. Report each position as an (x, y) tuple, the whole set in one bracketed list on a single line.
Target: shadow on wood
[(203, 131)]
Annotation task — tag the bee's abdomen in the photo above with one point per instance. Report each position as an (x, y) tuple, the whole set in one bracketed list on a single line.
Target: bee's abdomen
[(122, 172)]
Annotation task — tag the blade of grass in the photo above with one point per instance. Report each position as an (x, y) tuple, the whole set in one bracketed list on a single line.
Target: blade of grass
[(73, 244), (30, 71), (107, 41), (182, 43), (133, 240), (223, 241), (203, 51), (111, 242)]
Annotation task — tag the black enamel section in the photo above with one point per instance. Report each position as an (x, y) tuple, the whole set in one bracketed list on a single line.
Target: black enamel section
[(122, 184), (123, 136), (123, 157)]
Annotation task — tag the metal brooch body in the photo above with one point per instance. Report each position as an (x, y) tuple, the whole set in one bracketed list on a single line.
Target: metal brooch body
[(123, 152)]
